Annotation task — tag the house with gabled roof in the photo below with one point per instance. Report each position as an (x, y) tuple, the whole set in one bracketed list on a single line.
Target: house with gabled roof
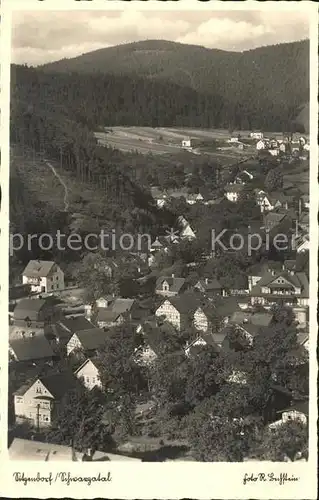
[(89, 373), (87, 341), (210, 287), (297, 411), (115, 314), (275, 220), (36, 402), (31, 347), (225, 307), (178, 310), (206, 318), (34, 312), (302, 244), (201, 341), (169, 286), (233, 191), (303, 339), (262, 319), (274, 286), (43, 276), (185, 230), (66, 327), (263, 200)]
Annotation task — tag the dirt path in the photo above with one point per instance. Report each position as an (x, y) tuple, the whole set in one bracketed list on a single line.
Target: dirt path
[(66, 193)]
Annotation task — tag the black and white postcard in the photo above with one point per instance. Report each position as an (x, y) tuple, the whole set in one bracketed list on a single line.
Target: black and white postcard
[(159, 240)]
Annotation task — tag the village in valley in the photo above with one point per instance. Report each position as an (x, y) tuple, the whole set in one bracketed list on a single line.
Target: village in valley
[(187, 346), (159, 293)]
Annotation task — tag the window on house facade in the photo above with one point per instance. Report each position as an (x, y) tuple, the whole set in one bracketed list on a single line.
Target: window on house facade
[(38, 390)]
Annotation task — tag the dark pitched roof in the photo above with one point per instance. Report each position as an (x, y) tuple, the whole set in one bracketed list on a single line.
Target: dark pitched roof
[(272, 220), (175, 284), (209, 339), (24, 388), (75, 324), (32, 305), (95, 360), (107, 315), (226, 306), (299, 280), (31, 348), (121, 306), (247, 317), (38, 268), (211, 284), (220, 336), (301, 406), (186, 303), (59, 383), (251, 329), (240, 282), (92, 339)]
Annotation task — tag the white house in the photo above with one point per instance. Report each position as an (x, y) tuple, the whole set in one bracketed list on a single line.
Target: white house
[(194, 198), (263, 201), (298, 411), (186, 232), (261, 145), (303, 245), (186, 143), (232, 192), (256, 135), (234, 138), (43, 276), (89, 374), (274, 152), (35, 402)]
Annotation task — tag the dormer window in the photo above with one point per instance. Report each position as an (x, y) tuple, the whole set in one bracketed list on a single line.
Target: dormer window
[(165, 287)]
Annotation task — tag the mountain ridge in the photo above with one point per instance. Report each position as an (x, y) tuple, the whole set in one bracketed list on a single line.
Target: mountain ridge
[(273, 73)]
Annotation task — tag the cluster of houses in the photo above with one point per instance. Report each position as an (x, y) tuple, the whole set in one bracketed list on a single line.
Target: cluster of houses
[(41, 332), (274, 146), (286, 146)]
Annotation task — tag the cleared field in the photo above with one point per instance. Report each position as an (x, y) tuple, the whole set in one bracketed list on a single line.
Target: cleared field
[(161, 140)]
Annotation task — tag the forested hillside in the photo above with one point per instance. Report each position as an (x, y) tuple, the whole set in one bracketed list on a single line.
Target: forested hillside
[(269, 81), (99, 99)]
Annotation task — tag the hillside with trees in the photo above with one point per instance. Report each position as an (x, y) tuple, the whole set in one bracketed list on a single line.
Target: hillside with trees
[(255, 85)]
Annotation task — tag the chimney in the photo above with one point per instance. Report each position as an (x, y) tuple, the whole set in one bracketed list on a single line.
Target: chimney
[(206, 281), (173, 275)]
